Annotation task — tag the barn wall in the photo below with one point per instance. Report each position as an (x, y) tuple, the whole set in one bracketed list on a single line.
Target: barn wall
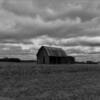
[(61, 60), (68, 59), (54, 60), (42, 57)]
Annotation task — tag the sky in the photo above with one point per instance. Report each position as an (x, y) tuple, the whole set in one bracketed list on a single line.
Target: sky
[(26, 25)]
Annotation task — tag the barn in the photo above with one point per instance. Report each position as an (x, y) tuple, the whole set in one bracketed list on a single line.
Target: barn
[(52, 55)]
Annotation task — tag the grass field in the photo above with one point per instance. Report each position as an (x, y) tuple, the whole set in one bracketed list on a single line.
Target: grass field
[(28, 81)]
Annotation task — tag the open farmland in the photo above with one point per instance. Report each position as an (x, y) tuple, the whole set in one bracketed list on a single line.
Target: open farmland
[(28, 81)]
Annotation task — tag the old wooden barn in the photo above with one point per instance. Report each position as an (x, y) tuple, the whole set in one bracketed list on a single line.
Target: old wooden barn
[(52, 55)]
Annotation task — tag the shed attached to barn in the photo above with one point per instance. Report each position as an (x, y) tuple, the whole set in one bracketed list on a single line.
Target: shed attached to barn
[(52, 55)]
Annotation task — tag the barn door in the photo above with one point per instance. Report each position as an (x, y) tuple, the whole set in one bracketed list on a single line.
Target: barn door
[(43, 60)]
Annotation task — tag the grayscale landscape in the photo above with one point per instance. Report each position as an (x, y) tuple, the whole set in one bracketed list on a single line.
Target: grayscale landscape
[(49, 49)]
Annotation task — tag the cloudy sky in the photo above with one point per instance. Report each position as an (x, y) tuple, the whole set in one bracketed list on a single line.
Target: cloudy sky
[(74, 25)]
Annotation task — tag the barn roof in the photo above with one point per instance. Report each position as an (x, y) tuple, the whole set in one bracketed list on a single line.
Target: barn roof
[(53, 51)]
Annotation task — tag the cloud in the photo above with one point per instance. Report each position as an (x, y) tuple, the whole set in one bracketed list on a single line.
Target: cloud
[(19, 50), (49, 10), (25, 25), (46, 20), (74, 46), (20, 7)]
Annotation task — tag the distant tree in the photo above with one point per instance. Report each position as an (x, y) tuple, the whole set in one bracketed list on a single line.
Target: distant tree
[(91, 62), (10, 59)]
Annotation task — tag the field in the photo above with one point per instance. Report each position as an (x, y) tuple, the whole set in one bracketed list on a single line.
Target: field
[(28, 81)]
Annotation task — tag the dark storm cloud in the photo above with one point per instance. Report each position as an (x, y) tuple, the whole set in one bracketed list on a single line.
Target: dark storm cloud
[(46, 19)]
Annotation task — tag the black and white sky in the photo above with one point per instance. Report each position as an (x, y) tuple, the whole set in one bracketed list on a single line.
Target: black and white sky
[(74, 25)]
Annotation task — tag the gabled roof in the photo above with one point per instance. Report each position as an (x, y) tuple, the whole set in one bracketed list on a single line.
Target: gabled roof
[(53, 51)]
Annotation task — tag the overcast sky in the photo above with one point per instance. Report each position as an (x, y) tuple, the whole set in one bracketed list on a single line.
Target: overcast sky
[(74, 25)]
